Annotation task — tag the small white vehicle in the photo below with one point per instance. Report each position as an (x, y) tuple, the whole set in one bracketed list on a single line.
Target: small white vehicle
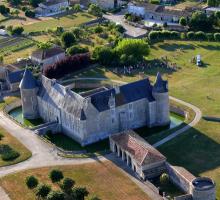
[(198, 60)]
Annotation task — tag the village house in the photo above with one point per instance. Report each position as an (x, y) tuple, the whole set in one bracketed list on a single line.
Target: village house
[(44, 57), (51, 7), (157, 12), (211, 10)]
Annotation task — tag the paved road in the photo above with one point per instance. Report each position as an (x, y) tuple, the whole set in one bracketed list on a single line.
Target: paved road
[(130, 30), (185, 128)]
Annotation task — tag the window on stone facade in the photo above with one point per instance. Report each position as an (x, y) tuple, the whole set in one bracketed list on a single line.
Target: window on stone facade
[(130, 105), (113, 120)]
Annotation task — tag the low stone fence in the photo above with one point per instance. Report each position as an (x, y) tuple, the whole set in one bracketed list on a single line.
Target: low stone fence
[(12, 106), (178, 111), (54, 127)]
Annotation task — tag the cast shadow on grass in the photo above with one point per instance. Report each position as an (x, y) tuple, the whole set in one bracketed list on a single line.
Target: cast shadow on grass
[(210, 47), (193, 150), (174, 47)]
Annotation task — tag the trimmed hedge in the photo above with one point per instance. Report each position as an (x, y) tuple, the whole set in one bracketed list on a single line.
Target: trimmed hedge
[(7, 153)]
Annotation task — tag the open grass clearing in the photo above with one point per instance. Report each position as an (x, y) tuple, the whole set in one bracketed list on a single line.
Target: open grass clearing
[(101, 178)]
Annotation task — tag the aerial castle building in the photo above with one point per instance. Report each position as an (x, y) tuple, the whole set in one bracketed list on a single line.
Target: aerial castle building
[(94, 115)]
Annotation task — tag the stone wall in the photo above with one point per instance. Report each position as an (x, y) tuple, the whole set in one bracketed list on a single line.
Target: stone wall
[(184, 197), (54, 127), (12, 106), (177, 110)]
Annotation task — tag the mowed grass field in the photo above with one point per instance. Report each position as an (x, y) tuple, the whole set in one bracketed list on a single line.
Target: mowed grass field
[(198, 149), (65, 21), (103, 179)]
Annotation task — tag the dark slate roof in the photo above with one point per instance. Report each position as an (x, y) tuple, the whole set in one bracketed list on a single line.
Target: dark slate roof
[(128, 93), (54, 2), (160, 85), (47, 53), (16, 76), (28, 81)]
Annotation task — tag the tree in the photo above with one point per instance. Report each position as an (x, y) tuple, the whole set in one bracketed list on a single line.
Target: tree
[(15, 12), (164, 178), (56, 175), (217, 37), (17, 30), (56, 195), (4, 10), (31, 182), (104, 55), (67, 185), (77, 50), (200, 22), (42, 190), (44, 46), (183, 21), (68, 39), (29, 13), (217, 14), (79, 193), (136, 48), (77, 7), (35, 3), (95, 10)]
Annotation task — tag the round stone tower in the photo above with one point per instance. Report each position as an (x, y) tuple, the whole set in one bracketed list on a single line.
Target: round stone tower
[(203, 188), (29, 89), (161, 95)]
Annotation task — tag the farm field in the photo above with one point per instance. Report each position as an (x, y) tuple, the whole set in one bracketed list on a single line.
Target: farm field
[(66, 21), (12, 48), (103, 179), (198, 149)]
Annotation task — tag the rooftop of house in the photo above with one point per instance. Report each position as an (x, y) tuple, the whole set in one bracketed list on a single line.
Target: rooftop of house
[(16, 76), (141, 151), (47, 53)]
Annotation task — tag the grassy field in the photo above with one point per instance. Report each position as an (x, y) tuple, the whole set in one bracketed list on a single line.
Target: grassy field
[(16, 145), (198, 150), (66, 21), (101, 178)]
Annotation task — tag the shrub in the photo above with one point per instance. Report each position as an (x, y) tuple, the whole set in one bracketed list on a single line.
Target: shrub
[(11, 155), (68, 39), (153, 35), (56, 175), (210, 36), (119, 28), (68, 65), (191, 35), (29, 13), (17, 30), (24, 8), (42, 190), (4, 10), (77, 50), (217, 37), (98, 29), (1, 136), (200, 35), (56, 195), (95, 10), (67, 185), (175, 35), (164, 178), (31, 182), (183, 21), (155, 2)]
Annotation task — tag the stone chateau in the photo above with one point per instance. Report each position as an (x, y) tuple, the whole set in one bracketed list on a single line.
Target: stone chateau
[(91, 116)]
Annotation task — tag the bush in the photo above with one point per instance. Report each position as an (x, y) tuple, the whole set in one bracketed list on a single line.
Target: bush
[(68, 65), (191, 35), (217, 37), (31, 182), (77, 50), (56, 195), (24, 8), (104, 55), (164, 179), (119, 28), (29, 13), (43, 190), (155, 2), (68, 39), (56, 175), (4, 10), (67, 185), (11, 155), (153, 35), (17, 30), (95, 10), (210, 36), (200, 35), (98, 29), (183, 21)]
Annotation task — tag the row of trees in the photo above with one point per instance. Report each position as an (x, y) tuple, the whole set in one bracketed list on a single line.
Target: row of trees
[(67, 191), (172, 35), (200, 21), (68, 65)]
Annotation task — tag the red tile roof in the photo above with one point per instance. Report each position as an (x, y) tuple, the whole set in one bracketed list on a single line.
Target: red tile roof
[(140, 150)]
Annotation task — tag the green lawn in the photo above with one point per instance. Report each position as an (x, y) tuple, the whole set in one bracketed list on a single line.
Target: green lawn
[(66, 21), (198, 150)]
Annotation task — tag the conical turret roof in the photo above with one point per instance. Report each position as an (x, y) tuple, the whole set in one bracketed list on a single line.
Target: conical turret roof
[(160, 85), (28, 81)]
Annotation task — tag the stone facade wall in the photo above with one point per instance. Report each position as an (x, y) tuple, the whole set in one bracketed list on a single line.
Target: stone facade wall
[(177, 110), (184, 197)]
